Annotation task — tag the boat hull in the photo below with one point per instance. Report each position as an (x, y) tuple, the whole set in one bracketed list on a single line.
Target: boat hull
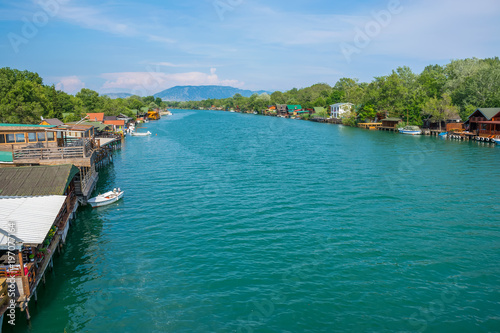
[(101, 200), (411, 132)]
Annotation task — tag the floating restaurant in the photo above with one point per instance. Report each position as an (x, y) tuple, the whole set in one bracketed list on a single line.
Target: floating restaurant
[(36, 207), (46, 172)]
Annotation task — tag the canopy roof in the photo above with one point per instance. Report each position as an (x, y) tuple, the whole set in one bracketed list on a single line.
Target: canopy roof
[(488, 113), (36, 181), (27, 220)]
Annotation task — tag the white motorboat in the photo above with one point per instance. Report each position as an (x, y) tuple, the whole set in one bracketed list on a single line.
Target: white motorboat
[(411, 130), (140, 134), (496, 140), (106, 198)]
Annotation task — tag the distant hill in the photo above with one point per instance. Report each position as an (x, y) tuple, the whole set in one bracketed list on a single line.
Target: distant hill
[(199, 93), (118, 95)]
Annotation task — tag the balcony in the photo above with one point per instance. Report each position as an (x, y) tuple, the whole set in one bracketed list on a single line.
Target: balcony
[(78, 152)]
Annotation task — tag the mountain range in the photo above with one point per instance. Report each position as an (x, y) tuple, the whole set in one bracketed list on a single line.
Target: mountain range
[(199, 93)]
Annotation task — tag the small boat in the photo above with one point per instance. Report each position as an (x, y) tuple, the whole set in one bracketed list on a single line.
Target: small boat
[(255, 112), (140, 134), (106, 198), (443, 135), (411, 130), (496, 140)]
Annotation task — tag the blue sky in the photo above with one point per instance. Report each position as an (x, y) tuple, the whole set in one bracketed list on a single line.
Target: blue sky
[(145, 47)]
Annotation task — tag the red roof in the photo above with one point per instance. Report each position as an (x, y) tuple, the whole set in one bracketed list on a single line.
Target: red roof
[(115, 122), (96, 117)]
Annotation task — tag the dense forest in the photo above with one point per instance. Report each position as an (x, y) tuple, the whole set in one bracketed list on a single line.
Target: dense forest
[(439, 91)]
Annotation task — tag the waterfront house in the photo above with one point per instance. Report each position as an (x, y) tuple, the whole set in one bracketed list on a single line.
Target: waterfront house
[(36, 204), (338, 110), (15, 136), (293, 108), (117, 126), (390, 124), (484, 122), (52, 121), (55, 145), (432, 124), (281, 110)]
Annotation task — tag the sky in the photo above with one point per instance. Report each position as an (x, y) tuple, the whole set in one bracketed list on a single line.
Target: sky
[(144, 47)]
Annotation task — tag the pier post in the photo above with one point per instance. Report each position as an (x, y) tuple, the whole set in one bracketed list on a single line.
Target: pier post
[(28, 317)]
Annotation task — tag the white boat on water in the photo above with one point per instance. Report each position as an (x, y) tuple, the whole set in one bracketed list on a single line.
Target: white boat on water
[(411, 130), (140, 134), (496, 140), (106, 198)]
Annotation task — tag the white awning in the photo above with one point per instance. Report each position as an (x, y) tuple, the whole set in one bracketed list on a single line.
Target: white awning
[(27, 220)]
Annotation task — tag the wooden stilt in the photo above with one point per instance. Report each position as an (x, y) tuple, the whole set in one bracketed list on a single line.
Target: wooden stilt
[(28, 317)]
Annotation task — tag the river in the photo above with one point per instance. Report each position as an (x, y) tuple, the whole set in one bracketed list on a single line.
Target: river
[(243, 223)]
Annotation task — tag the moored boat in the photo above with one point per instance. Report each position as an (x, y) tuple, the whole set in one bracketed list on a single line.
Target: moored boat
[(411, 130), (496, 140), (140, 134), (106, 198)]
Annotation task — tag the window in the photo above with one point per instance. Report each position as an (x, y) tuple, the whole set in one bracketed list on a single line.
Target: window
[(41, 136), (32, 137), (10, 138), (20, 137), (2, 138), (50, 136)]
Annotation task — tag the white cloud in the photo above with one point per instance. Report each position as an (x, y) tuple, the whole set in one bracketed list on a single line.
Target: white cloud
[(147, 83), (70, 84), (104, 19)]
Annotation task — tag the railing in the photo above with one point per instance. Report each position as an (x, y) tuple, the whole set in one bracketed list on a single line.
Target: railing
[(74, 149), (88, 180), (49, 153), (488, 132)]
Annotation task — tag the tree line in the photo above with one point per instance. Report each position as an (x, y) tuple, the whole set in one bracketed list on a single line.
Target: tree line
[(24, 99), (459, 87)]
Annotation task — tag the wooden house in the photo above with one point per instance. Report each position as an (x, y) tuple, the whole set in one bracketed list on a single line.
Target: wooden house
[(432, 124), (484, 122), (39, 201), (390, 124), (55, 145), (281, 110), (15, 136), (117, 126)]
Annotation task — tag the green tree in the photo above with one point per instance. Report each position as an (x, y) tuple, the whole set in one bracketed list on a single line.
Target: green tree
[(440, 109), (90, 99)]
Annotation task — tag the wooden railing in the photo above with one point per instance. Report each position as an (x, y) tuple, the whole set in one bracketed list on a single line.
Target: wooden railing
[(75, 149), (488, 132), (49, 153)]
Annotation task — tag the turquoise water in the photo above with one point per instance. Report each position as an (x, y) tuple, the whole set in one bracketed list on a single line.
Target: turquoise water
[(243, 223)]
